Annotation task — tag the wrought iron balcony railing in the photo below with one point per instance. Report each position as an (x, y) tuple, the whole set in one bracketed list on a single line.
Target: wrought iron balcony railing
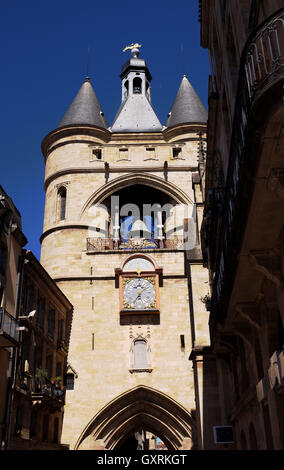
[(8, 329), (211, 224), (261, 68), (102, 244), (264, 58), (41, 388)]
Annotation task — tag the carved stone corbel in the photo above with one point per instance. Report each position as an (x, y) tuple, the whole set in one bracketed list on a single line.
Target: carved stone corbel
[(268, 262)]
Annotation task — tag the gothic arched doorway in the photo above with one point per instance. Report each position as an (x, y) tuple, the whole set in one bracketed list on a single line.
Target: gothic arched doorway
[(134, 412)]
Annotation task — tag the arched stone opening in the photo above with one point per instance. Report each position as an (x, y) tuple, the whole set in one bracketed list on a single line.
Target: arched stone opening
[(143, 212), (141, 408), (142, 422), (137, 178), (143, 208)]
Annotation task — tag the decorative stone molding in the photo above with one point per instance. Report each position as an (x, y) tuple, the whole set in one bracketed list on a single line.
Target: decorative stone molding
[(152, 407), (63, 183), (138, 332)]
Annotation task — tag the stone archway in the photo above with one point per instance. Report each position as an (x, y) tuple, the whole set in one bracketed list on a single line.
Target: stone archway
[(126, 180), (141, 407)]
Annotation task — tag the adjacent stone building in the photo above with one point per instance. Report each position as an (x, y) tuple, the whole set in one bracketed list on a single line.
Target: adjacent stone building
[(242, 233), (121, 238), (12, 240), (41, 368), (35, 321)]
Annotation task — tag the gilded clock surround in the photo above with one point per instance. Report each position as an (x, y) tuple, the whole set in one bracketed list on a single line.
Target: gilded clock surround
[(129, 283), (124, 280), (125, 277)]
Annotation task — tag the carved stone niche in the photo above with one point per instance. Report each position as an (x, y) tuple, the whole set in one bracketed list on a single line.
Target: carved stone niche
[(270, 263), (275, 182)]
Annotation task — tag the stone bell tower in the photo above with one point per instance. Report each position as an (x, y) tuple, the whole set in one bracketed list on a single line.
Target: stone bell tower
[(121, 238)]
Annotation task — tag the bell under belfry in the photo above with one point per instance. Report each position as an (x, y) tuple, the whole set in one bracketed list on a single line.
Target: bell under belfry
[(138, 227), (136, 285)]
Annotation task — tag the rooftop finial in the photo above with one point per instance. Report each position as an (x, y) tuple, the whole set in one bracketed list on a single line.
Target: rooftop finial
[(182, 60), (88, 65), (134, 49)]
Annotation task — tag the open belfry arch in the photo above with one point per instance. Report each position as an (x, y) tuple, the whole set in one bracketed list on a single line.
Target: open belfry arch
[(133, 179), (121, 239)]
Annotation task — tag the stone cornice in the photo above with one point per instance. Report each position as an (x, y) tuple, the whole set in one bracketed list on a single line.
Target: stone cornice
[(179, 129), (60, 133), (131, 138), (118, 169), (63, 227)]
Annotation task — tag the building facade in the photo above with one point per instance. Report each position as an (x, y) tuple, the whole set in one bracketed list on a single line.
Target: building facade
[(41, 368), (12, 240), (242, 232), (124, 206), (35, 321)]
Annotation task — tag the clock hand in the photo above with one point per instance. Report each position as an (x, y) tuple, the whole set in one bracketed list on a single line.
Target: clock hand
[(140, 292)]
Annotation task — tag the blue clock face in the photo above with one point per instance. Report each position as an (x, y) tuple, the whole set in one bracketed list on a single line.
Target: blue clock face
[(139, 294)]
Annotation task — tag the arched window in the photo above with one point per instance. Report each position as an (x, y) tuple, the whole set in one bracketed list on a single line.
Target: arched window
[(61, 203), (126, 86), (140, 354), (137, 85), (148, 90)]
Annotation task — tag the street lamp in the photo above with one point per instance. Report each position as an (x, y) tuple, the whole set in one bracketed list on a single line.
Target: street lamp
[(29, 316)]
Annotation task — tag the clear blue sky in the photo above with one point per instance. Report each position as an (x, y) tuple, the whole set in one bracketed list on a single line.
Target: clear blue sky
[(44, 59)]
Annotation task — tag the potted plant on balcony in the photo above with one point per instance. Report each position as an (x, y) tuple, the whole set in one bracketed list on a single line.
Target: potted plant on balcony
[(41, 377), (61, 345), (56, 381), (57, 387), (41, 374), (206, 299)]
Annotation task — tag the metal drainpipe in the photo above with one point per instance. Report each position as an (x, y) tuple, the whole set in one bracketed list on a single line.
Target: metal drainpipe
[(11, 379)]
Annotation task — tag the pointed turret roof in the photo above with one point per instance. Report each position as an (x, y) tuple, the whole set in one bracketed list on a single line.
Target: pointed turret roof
[(136, 113), (84, 109), (187, 106)]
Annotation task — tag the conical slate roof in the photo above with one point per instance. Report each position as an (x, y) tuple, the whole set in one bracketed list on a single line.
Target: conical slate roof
[(187, 106), (84, 109)]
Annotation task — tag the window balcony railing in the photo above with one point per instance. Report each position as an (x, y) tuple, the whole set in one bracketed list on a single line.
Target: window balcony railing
[(9, 332), (102, 244), (261, 68), (41, 389)]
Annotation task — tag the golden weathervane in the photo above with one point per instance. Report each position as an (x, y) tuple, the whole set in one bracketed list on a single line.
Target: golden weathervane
[(132, 46)]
